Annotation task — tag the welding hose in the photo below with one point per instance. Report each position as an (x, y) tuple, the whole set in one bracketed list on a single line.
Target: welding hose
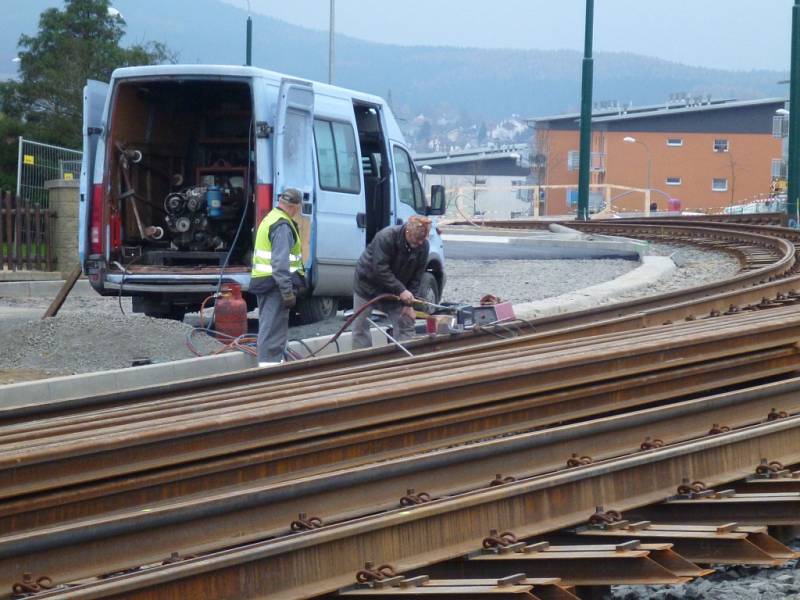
[(353, 317)]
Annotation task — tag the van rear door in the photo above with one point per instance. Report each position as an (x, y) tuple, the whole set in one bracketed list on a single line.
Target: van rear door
[(94, 100), (294, 139)]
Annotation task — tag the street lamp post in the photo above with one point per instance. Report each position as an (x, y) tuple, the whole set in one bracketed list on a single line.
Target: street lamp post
[(331, 47), (633, 140), (793, 167)]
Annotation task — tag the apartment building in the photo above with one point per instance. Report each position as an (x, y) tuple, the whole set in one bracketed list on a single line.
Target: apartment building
[(699, 155)]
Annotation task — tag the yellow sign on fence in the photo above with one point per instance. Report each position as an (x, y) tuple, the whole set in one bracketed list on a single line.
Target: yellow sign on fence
[(28, 159), (68, 177)]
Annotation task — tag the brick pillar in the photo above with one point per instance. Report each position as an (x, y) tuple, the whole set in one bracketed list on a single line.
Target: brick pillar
[(63, 198)]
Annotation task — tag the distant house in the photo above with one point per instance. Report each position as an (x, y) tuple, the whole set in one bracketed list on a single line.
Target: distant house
[(704, 154), (487, 181)]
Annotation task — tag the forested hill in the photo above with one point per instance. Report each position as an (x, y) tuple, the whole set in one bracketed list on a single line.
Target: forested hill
[(475, 83)]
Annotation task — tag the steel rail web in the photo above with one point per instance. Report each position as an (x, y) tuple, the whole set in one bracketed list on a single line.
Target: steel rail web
[(390, 441), (230, 397), (328, 363), (262, 511), (320, 561), (79, 457), (44, 428)]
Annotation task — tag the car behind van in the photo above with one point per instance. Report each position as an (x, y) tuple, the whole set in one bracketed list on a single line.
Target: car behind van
[(181, 163)]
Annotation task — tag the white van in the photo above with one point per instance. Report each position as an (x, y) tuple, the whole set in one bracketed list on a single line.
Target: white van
[(181, 162)]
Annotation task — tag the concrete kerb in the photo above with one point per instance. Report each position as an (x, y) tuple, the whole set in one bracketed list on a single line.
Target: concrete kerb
[(652, 269), (43, 289), (58, 390), (558, 237)]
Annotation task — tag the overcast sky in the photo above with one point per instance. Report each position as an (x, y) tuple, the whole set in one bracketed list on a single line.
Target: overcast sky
[(728, 34)]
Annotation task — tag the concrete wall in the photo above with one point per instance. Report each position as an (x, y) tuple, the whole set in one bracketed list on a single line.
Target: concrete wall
[(64, 201)]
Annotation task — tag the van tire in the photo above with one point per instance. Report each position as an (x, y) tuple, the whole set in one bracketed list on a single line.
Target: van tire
[(428, 288), (317, 308)]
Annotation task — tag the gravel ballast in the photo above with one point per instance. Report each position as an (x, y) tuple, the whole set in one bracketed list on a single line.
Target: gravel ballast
[(91, 334), (727, 583)]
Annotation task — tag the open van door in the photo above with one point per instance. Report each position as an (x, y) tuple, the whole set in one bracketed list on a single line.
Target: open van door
[(294, 151), (94, 100)]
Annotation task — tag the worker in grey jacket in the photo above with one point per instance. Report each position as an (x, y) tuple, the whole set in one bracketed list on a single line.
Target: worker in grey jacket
[(392, 263), (276, 258)]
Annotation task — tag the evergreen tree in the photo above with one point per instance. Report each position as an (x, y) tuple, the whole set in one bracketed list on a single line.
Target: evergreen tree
[(80, 42)]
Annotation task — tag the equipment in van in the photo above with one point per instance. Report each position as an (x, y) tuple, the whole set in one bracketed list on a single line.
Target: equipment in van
[(182, 162)]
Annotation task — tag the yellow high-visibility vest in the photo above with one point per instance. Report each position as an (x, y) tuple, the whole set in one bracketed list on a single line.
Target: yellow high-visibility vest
[(262, 254)]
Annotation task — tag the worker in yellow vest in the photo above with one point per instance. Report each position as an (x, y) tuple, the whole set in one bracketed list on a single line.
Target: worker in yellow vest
[(277, 261)]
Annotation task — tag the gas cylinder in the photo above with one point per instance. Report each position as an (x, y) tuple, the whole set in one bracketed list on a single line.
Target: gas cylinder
[(230, 312)]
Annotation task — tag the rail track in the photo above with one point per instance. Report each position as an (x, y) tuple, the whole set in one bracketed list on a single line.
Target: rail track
[(223, 468)]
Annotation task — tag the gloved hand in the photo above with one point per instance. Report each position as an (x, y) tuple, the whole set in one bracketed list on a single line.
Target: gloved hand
[(407, 297), (289, 301)]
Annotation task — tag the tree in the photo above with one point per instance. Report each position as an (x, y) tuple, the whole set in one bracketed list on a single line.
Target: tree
[(80, 42)]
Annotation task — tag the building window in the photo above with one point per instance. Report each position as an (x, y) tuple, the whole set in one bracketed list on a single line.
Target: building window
[(720, 145), (778, 168), (573, 160), (719, 184), (674, 141), (673, 181), (337, 157)]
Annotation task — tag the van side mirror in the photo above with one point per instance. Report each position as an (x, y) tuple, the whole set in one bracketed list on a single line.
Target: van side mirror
[(438, 203)]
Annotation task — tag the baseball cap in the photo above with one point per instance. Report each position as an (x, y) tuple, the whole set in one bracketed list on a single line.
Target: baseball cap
[(291, 195)]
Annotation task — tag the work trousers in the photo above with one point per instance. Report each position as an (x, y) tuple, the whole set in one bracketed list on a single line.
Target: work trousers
[(402, 326), (273, 326)]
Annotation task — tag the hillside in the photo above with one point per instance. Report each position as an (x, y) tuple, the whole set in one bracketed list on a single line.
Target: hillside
[(473, 83)]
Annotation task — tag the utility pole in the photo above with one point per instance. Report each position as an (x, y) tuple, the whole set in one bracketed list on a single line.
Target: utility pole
[(585, 155), (249, 50), (794, 122), (331, 49)]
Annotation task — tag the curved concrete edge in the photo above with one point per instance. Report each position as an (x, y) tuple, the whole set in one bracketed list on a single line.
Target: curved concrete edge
[(652, 269), (57, 390)]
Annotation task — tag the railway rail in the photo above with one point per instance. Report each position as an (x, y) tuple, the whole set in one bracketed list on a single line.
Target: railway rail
[(226, 469), (764, 283)]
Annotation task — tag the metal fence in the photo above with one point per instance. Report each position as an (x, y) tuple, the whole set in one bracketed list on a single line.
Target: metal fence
[(26, 235), (38, 163)]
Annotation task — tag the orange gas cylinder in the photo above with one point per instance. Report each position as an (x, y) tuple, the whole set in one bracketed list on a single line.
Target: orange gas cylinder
[(230, 312)]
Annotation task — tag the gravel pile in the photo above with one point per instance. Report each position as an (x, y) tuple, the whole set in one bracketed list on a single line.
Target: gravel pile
[(727, 583), (90, 333), (81, 342), (695, 267)]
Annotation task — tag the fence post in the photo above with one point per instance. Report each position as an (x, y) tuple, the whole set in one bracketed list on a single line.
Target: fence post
[(64, 200), (19, 166)]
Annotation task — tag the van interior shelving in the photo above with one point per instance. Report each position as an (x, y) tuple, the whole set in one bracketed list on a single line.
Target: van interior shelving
[(178, 156)]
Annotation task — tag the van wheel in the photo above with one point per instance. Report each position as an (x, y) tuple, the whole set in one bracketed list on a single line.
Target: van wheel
[(428, 289), (317, 308)]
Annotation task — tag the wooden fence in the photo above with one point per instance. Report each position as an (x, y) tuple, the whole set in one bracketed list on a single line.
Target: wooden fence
[(26, 235)]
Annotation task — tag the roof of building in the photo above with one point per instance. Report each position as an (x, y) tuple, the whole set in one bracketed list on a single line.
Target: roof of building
[(659, 110), (516, 152)]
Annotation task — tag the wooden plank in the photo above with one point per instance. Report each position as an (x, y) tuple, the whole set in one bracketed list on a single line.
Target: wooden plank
[(38, 263), (49, 235), (17, 235), (2, 229), (27, 234), (58, 301)]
